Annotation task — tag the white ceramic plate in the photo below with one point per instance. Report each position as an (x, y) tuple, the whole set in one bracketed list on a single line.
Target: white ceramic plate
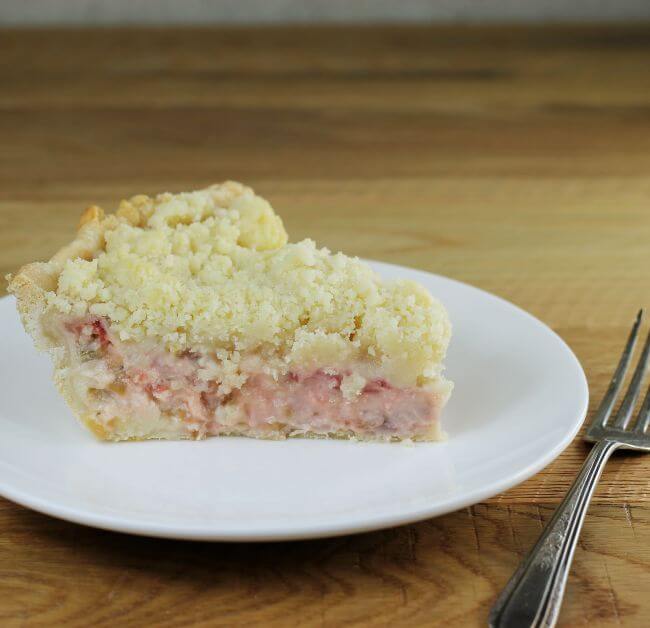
[(519, 400)]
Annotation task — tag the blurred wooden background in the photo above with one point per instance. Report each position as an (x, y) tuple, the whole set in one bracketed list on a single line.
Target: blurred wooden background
[(516, 159)]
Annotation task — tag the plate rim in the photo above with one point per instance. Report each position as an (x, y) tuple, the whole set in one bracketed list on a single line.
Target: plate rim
[(355, 523)]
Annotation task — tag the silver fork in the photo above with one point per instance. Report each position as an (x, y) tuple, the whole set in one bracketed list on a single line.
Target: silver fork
[(533, 595)]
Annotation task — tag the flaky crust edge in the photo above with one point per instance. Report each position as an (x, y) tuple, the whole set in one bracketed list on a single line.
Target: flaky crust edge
[(30, 285)]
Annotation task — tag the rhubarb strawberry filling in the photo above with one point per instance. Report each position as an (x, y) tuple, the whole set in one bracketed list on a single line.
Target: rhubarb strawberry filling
[(135, 386)]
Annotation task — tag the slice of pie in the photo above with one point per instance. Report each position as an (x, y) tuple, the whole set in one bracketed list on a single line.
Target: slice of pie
[(189, 315)]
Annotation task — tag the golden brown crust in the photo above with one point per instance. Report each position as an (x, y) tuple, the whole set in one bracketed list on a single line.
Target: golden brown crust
[(94, 213), (29, 286), (435, 434)]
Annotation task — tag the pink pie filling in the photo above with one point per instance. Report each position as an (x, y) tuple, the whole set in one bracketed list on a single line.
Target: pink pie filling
[(140, 379)]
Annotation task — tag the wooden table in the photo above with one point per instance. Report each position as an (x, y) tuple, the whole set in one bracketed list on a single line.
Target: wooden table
[(514, 159)]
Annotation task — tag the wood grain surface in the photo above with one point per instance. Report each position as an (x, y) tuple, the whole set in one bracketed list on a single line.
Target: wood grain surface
[(516, 159)]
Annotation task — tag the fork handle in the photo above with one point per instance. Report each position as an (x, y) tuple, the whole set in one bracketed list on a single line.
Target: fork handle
[(533, 595)]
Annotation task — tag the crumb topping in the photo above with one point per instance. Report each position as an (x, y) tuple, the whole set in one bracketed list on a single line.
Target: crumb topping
[(212, 270)]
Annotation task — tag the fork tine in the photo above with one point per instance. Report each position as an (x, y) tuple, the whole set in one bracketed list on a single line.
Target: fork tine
[(643, 420), (606, 405), (624, 414)]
